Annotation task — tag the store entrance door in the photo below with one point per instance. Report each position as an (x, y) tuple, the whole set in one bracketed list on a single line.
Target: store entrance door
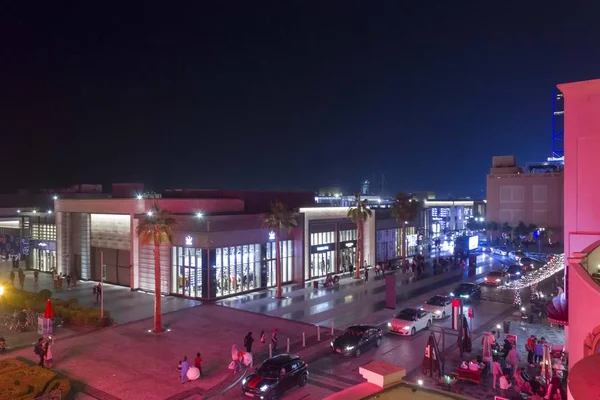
[(187, 282)]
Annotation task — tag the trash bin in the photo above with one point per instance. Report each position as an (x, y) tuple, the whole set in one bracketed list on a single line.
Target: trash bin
[(506, 326), (315, 284)]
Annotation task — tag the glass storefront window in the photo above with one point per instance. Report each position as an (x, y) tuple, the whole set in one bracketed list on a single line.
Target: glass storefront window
[(286, 262), (321, 264), (43, 232), (43, 260), (187, 271), (237, 269)]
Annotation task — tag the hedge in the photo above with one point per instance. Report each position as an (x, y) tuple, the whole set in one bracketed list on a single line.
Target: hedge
[(10, 364), (58, 385), (25, 384), (69, 310)]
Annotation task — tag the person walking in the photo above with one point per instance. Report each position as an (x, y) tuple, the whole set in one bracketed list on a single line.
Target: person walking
[(496, 371), (185, 366), (274, 339), (530, 347), (38, 349), (48, 344), (263, 337), (198, 363), (98, 292), (36, 276), (512, 359), (21, 278), (95, 293), (12, 278), (248, 340), (366, 274), (539, 352)]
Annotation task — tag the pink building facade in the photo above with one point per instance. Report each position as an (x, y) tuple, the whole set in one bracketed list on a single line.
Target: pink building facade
[(514, 195), (582, 234)]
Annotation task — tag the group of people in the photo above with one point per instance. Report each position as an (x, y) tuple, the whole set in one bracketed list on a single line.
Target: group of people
[(187, 372), (59, 278), (21, 275), (43, 349)]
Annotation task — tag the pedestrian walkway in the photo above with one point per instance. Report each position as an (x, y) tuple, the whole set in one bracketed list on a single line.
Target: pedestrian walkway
[(124, 304), (127, 362), (352, 299)]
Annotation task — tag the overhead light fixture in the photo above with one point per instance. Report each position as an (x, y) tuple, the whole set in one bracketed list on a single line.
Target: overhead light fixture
[(139, 197), (149, 213), (34, 211), (18, 211), (199, 214), (55, 197), (49, 211)]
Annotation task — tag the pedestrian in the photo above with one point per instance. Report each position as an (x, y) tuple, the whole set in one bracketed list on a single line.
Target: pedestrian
[(274, 339), (530, 347), (98, 292), (539, 352), (12, 278), (48, 352), (185, 366), (198, 363), (512, 359), (366, 274), (263, 338), (95, 293), (496, 371), (21, 278), (68, 281), (38, 349), (248, 340), (36, 275)]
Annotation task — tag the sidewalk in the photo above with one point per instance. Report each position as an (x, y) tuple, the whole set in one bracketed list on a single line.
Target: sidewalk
[(127, 362), (124, 304)]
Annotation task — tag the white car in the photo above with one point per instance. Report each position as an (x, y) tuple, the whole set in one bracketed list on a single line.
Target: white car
[(439, 306), (409, 321), (502, 251), (517, 255)]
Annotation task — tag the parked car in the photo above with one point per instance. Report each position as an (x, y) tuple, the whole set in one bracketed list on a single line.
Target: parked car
[(516, 255), (275, 376), (496, 278), (439, 306), (485, 247), (501, 251), (356, 339), (514, 271), (409, 321), (467, 291)]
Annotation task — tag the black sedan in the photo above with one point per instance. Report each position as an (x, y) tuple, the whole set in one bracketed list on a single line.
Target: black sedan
[(514, 272), (467, 291), (356, 339), (275, 376)]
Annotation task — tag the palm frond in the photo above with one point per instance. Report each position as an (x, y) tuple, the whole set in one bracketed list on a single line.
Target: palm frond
[(156, 227), (280, 217), (360, 211)]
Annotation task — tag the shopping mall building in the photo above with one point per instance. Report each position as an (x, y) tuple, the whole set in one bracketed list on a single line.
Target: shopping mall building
[(219, 246)]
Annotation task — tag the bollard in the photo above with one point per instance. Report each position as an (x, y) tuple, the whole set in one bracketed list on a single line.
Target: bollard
[(288, 345), (303, 339), (318, 333), (332, 334), (270, 350)]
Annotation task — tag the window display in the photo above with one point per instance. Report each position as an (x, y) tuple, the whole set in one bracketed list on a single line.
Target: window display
[(187, 271), (347, 245), (286, 262), (322, 254), (237, 269)]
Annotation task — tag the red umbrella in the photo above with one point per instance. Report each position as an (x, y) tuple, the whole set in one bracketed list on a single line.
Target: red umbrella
[(49, 311)]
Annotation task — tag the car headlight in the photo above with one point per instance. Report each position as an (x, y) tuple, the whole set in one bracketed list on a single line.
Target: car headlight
[(245, 380), (331, 344), (466, 296), (518, 273), (348, 348), (407, 327), (438, 312), (497, 280), (264, 388), (451, 294), (389, 324)]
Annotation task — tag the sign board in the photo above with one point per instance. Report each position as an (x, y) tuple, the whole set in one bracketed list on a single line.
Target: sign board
[(45, 325), (321, 248), (271, 235), (390, 291), (189, 241), (470, 312)]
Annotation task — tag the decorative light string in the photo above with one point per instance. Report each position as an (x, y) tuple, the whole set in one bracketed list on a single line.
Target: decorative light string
[(555, 265)]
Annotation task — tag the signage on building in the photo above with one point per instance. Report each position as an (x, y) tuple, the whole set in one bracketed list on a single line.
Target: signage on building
[(551, 159), (348, 244), (43, 245), (271, 235), (321, 248), (189, 240)]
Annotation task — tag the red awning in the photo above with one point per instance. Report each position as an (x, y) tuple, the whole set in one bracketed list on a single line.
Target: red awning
[(558, 311)]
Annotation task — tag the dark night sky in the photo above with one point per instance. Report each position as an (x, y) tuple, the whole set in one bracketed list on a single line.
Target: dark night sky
[(283, 94)]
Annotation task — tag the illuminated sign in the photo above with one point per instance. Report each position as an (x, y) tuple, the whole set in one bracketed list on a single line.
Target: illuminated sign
[(551, 159), (321, 248), (349, 244), (271, 235), (42, 244), (189, 240)]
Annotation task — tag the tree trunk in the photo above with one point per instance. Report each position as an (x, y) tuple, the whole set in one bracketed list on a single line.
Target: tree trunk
[(403, 240), (278, 265), (359, 248), (157, 299)]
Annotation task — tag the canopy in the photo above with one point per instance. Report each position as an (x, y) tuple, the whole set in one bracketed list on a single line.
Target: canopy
[(558, 310), (49, 311), (583, 378)]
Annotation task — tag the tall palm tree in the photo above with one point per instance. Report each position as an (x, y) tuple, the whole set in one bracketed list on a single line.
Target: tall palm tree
[(280, 217), (155, 229), (405, 209), (359, 213)]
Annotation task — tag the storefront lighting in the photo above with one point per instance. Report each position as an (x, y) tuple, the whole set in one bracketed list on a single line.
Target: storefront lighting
[(18, 211), (34, 211), (49, 211), (139, 197)]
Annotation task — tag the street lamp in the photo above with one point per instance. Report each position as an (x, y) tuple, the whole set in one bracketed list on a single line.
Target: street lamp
[(149, 213), (199, 214), (55, 197)]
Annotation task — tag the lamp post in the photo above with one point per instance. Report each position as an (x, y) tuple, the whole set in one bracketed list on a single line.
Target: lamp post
[(102, 285)]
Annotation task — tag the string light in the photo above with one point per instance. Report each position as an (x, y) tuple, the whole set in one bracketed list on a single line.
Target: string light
[(555, 265)]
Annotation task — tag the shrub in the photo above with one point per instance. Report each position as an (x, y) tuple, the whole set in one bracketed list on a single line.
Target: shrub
[(10, 364), (25, 384), (62, 386)]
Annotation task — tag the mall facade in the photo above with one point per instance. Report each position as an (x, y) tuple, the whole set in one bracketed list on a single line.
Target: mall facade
[(219, 246)]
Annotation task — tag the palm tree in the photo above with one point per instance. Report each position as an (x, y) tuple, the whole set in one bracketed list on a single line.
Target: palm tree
[(280, 217), (405, 209), (359, 213), (155, 229)]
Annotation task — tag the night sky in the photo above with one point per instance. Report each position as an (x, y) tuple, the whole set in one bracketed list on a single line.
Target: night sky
[(283, 94)]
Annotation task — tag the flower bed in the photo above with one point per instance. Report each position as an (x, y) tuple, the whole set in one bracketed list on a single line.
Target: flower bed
[(69, 310), (20, 382)]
